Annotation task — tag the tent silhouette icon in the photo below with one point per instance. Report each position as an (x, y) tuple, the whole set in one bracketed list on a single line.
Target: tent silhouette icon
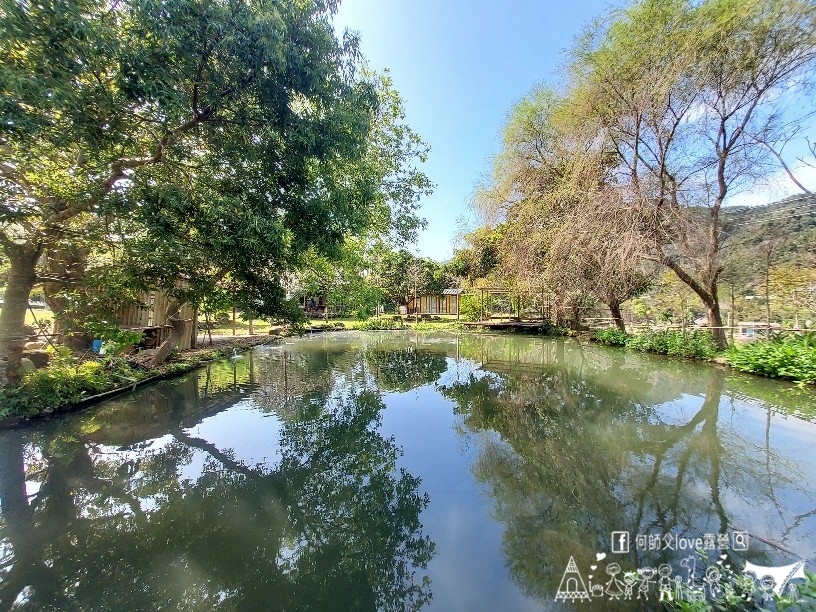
[(572, 585)]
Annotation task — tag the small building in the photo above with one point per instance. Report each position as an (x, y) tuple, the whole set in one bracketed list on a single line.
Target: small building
[(446, 303), (754, 330), (151, 319), (313, 306)]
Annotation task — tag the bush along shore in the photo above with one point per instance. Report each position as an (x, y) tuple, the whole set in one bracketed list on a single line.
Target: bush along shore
[(788, 357), (791, 357), (71, 381)]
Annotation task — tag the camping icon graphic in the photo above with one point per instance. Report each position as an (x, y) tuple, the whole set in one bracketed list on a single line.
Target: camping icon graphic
[(572, 585)]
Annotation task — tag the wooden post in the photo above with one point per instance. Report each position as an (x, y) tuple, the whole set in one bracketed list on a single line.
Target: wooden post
[(194, 336), (233, 320), (768, 298), (796, 312), (733, 315)]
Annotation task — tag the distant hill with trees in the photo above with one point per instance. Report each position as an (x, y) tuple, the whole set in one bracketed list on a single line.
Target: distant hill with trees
[(790, 222)]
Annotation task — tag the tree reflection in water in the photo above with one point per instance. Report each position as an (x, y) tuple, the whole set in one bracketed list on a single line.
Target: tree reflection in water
[(327, 527), (585, 448)]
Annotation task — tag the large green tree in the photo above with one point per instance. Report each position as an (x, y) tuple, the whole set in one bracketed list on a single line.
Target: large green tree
[(400, 275), (345, 282), (224, 138)]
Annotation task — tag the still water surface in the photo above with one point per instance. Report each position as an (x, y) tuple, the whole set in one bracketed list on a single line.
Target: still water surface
[(395, 471)]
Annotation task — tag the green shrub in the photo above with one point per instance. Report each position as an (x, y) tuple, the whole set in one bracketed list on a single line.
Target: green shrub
[(696, 344), (653, 342), (457, 326), (701, 345), (611, 336), (739, 592), (65, 381), (792, 358), (375, 324), (363, 313), (470, 307), (424, 326)]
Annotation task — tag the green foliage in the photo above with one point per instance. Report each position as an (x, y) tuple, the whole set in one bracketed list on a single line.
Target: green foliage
[(612, 336), (741, 593), (400, 275), (112, 336), (696, 344), (470, 307), (805, 594), (792, 358), (479, 258), (380, 324), (180, 367), (65, 381), (344, 280), (68, 380), (363, 313), (209, 145), (749, 227), (425, 326)]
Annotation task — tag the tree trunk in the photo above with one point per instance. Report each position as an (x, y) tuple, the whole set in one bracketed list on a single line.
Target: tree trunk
[(709, 298), (617, 317), (67, 263), (21, 280), (179, 328), (715, 322), (575, 323), (209, 325)]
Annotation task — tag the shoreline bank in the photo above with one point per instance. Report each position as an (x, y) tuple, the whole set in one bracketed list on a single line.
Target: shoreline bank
[(226, 346)]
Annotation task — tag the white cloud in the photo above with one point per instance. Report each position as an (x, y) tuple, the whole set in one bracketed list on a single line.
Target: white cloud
[(775, 187)]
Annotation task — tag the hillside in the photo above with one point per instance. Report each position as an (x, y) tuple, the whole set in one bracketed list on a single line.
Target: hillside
[(788, 226)]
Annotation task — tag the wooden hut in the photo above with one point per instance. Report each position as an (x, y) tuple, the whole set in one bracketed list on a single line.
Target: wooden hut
[(151, 319), (447, 303)]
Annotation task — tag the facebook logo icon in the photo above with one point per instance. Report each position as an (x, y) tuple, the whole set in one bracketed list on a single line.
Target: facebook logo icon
[(620, 542)]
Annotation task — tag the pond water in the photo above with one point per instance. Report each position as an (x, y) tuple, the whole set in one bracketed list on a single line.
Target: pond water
[(390, 471)]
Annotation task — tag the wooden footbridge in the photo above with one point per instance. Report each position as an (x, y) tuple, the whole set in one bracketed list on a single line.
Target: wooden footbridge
[(507, 325)]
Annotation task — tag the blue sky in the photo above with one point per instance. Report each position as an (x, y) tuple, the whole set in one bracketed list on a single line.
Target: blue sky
[(460, 65)]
